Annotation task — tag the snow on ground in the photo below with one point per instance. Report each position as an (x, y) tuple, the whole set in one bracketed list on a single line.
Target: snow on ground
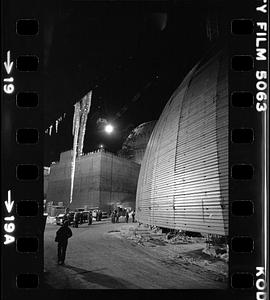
[(179, 249)]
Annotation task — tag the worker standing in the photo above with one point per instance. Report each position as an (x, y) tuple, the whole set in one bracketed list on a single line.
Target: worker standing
[(133, 216), (117, 216), (127, 216), (89, 218), (81, 218), (113, 217), (99, 215), (76, 219)]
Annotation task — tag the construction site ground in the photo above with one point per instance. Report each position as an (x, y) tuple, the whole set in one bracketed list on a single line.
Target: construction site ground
[(132, 256)]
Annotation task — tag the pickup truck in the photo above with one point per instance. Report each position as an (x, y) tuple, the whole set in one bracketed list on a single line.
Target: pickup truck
[(59, 219)]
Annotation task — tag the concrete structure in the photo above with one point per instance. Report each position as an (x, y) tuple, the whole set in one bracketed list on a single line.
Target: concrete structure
[(102, 180), (183, 181), (46, 173), (135, 144)]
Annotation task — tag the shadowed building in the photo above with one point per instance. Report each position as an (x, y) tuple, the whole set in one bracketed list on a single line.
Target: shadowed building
[(102, 180), (183, 181), (46, 173)]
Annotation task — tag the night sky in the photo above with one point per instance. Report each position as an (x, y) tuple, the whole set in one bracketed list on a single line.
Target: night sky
[(132, 56)]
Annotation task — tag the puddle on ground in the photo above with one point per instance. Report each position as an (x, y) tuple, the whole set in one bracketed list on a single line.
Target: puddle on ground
[(113, 231)]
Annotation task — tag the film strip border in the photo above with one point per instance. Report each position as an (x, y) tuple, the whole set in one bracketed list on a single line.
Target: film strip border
[(247, 118), (22, 145), (22, 148)]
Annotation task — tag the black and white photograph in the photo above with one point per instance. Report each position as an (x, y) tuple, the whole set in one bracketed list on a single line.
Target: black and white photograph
[(136, 145), (134, 149)]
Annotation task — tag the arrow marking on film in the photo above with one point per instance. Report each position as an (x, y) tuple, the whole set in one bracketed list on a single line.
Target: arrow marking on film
[(9, 203), (8, 65)]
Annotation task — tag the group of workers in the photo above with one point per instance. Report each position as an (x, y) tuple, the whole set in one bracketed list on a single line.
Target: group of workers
[(98, 215), (80, 217), (116, 214)]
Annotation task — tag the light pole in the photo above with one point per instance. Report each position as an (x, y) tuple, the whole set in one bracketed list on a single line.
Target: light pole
[(109, 129)]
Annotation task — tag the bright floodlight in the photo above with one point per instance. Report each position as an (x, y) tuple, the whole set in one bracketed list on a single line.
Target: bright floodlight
[(109, 128)]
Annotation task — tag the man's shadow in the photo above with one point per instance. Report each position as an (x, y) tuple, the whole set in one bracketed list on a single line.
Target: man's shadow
[(103, 279)]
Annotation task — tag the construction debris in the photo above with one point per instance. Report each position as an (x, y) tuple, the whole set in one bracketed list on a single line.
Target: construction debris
[(180, 247)]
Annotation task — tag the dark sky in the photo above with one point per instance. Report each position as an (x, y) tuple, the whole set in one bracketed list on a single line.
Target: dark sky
[(120, 52)]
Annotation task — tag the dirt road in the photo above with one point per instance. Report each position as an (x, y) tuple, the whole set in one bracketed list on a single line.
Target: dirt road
[(99, 258)]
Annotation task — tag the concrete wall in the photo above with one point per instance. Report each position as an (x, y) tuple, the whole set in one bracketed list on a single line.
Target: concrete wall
[(46, 173), (87, 181), (101, 180), (118, 184), (45, 186), (59, 180)]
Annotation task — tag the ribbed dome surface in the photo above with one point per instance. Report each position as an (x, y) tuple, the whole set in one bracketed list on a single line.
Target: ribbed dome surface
[(139, 136), (183, 181), (135, 144)]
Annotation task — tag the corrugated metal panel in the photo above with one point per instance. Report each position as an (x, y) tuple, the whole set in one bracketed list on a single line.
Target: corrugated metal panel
[(183, 181)]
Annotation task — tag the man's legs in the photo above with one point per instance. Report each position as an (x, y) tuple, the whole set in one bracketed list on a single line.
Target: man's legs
[(64, 249), (59, 252)]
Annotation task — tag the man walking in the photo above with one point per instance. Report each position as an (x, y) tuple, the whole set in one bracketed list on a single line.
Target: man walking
[(62, 236)]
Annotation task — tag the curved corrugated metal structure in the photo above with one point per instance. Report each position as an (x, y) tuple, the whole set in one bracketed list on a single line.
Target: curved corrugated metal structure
[(183, 181)]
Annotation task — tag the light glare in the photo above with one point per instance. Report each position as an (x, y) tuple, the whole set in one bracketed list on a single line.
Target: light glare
[(109, 128)]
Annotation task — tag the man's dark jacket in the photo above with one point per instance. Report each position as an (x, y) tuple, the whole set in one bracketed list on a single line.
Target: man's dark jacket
[(63, 234)]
